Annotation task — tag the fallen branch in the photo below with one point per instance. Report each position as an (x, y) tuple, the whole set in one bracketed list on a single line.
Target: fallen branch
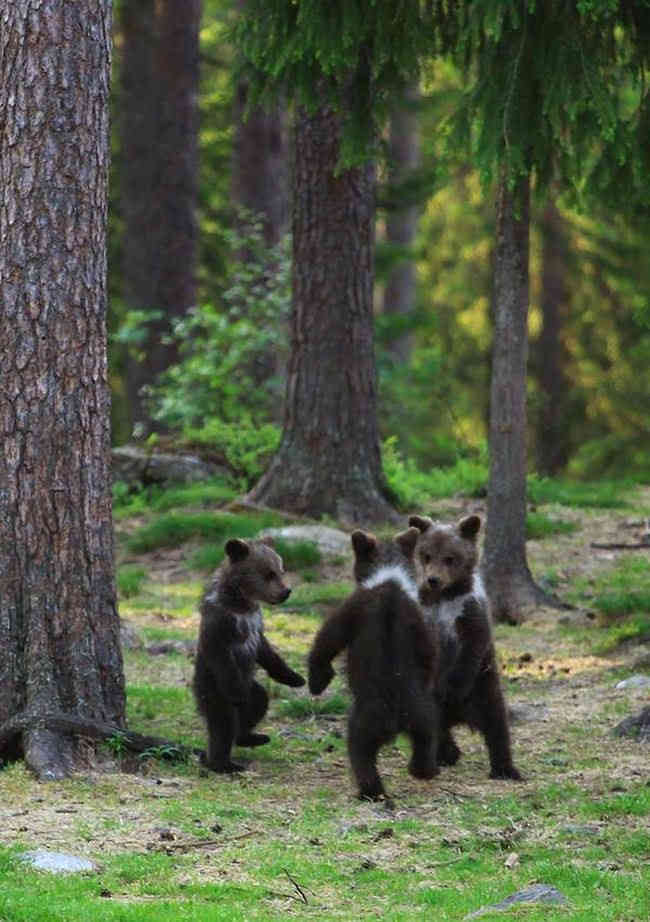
[(644, 546), (197, 843), (74, 725)]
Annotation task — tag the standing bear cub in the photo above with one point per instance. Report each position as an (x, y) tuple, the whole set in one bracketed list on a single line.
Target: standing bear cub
[(391, 660), (232, 643), (452, 593)]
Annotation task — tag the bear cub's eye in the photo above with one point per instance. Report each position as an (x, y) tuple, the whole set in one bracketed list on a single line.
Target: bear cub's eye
[(269, 575), (449, 561), (426, 558)]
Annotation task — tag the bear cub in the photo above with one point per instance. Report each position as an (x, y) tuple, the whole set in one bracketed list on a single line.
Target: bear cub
[(391, 660), (452, 593), (232, 643)]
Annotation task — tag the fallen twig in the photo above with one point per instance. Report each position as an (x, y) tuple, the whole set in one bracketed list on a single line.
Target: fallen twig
[(297, 886), (644, 546)]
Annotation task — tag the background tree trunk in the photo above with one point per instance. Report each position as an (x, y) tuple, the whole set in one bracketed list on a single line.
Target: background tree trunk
[(59, 629), (329, 459), (508, 580), (159, 136), (260, 163), (402, 220), (552, 443)]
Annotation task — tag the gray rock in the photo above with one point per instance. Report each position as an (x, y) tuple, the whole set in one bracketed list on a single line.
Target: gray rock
[(187, 647), (636, 727), (57, 862), (538, 893), (527, 713), (129, 636), (331, 541), (635, 681), (136, 465), (580, 829)]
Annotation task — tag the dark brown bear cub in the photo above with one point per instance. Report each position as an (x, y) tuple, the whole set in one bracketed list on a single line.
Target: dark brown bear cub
[(451, 591), (391, 660), (232, 643)]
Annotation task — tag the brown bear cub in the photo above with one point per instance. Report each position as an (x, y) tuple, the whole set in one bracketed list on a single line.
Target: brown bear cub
[(232, 643), (391, 660), (452, 593)]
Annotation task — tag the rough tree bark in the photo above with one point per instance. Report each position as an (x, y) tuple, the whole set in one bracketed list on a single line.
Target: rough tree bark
[(508, 580), (59, 629), (159, 135), (553, 443), (328, 462), (402, 221)]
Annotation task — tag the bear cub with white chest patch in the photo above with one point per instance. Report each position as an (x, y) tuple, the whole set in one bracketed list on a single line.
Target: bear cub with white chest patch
[(452, 594), (232, 643), (391, 660)]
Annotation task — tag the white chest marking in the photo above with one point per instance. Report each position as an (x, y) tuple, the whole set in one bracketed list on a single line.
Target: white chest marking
[(445, 613), (395, 574)]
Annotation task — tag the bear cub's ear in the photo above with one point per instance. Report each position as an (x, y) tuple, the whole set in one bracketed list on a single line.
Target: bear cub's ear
[(407, 540), (236, 549), (363, 544), (421, 522), (268, 541), (469, 527)]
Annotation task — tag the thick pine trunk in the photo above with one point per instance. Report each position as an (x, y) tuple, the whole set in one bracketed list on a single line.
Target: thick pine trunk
[(329, 459), (552, 438), (59, 628), (402, 221), (509, 583), (159, 132)]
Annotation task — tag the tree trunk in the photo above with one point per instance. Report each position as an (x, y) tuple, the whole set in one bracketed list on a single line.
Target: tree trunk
[(159, 137), (553, 442), (329, 459), (402, 221), (509, 583), (260, 163), (59, 629)]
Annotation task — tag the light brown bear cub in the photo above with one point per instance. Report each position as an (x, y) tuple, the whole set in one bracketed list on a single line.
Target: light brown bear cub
[(452, 593), (232, 643), (391, 660)]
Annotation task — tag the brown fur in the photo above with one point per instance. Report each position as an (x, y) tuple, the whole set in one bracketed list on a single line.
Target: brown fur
[(451, 591), (391, 660), (232, 643)]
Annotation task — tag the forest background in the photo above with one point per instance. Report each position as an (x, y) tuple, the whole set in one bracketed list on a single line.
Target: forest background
[(218, 383)]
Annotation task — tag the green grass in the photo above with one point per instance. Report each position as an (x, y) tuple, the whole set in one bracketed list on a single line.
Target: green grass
[(602, 494), (128, 502), (621, 594), (296, 555), (443, 857), (130, 580), (540, 526), (172, 529)]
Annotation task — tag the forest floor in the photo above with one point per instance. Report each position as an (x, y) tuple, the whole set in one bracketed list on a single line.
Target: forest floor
[(287, 837)]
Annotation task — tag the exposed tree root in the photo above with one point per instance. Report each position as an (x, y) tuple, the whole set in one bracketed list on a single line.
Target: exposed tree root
[(42, 738)]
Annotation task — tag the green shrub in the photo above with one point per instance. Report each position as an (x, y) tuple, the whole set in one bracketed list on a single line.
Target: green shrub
[(130, 580), (172, 529), (243, 446), (296, 555)]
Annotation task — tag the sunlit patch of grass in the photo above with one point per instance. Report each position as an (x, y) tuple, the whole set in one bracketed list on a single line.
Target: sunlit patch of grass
[(175, 600)]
